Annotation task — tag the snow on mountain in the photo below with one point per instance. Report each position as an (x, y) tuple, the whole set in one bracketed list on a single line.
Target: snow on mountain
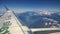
[(58, 13), (40, 19), (52, 22), (45, 12)]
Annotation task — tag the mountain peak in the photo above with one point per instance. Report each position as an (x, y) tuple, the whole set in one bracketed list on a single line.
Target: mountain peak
[(45, 12)]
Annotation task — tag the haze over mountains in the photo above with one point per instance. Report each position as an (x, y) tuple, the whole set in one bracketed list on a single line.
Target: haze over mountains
[(41, 19)]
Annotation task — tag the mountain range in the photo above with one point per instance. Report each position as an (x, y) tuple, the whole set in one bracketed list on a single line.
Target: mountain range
[(41, 19)]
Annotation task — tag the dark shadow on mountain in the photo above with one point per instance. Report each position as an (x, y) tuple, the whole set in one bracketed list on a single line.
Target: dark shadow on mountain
[(34, 20)]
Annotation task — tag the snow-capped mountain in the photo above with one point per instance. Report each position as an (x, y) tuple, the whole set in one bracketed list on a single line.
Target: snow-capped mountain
[(40, 19), (44, 12)]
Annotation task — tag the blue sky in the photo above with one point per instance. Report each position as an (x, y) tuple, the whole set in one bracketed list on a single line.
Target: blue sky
[(31, 4)]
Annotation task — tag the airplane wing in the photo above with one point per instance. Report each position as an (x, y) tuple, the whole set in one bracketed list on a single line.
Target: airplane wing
[(45, 30), (9, 24)]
